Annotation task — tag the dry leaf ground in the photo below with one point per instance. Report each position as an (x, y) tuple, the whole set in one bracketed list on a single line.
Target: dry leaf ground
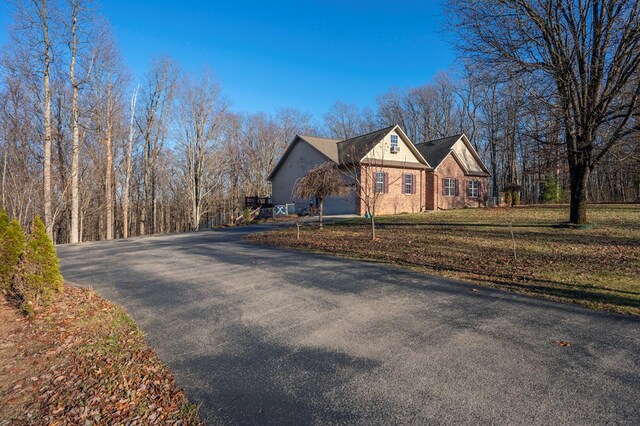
[(598, 267), (83, 361)]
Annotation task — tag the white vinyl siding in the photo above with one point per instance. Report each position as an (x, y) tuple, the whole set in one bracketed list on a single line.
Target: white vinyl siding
[(394, 141), (301, 158), (382, 151), (466, 157)]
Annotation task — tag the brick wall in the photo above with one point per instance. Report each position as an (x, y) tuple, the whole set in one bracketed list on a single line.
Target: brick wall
[(394, 201), (429, 193), (450, 168)]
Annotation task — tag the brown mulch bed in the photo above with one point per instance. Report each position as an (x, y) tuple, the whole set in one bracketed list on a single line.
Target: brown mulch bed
[(82, 360)]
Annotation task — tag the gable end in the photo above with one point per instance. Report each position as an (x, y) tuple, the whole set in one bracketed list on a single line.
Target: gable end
[(297, 139)]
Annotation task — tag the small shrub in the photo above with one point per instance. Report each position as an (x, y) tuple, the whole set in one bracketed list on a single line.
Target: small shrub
[(13, 242), (516, 198), (4, 220), (38, 277), (507, 198), (247, 214), (551, 191)]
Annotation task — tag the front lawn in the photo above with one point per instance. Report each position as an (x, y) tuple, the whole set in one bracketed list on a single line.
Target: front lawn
[(599, 267)]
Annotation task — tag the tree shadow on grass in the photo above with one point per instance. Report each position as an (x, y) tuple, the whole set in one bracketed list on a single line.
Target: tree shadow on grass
[(465, 225), (570, 293), (544, 232)]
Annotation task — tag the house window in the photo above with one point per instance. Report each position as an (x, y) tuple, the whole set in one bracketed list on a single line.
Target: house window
[(473, 188), (394, 143), (450, 187), (407, 183), (380, 182)]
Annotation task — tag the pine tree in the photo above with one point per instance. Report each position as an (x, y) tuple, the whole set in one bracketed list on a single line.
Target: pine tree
[(39, 278), (11, 249)]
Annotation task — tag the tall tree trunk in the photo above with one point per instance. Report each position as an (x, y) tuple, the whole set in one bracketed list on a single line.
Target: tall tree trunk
[(4, 174), (579, 159), (154, 206), (320, 211), (75, 160), (128, 168), (145, 188), (579, 175), (108, 183), (373, 227), (48, 213), (195, 215), (143, 215), (75, 146)]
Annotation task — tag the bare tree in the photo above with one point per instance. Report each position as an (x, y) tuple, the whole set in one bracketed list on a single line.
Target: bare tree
[(158, 96), (34, 36), (587, 50), (77, 29), (322, 181), (109, 80), (343, 121), (200, 114), (262, 139), (391, 108), (128, 166), (368, 178), (467, 92)]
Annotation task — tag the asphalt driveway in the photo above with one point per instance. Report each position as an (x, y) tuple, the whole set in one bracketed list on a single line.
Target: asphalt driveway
[(265, 335)]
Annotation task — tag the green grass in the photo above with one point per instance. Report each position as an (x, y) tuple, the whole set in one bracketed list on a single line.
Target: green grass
[(598, 267)]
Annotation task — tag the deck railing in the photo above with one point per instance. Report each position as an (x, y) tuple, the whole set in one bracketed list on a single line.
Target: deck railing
[(256, 201)]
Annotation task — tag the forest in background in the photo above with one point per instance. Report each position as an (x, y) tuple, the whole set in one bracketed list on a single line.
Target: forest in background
[(100, 155)]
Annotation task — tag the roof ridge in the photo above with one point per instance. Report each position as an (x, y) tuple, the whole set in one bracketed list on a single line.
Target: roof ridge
[(458, 135), (319, 137)]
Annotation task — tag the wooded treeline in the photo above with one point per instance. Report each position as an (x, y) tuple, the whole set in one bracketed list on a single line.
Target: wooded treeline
[(100, 155)]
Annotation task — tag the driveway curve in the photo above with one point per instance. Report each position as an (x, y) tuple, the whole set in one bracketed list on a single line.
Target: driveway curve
[(272, 336)]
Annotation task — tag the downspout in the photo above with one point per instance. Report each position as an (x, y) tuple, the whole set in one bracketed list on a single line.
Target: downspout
[(422, 189), (437, 188)]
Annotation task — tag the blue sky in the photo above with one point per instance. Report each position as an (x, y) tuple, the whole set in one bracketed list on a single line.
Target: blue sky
[(271, 54)]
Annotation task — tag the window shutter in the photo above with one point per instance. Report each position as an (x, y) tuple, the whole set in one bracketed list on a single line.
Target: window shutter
[(386, 182), (444, 186), (468, 188), (457, 189), (413, 183), (404, 184)]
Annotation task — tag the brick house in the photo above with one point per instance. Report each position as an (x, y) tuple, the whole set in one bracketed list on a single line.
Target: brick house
[(388, 171)]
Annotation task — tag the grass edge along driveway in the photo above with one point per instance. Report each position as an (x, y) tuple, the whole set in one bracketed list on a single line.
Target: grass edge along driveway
[(83, 360), (598, 268)]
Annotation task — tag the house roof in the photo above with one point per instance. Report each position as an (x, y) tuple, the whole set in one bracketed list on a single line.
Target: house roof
[(351, 150), (438, 149), (326, 146)]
